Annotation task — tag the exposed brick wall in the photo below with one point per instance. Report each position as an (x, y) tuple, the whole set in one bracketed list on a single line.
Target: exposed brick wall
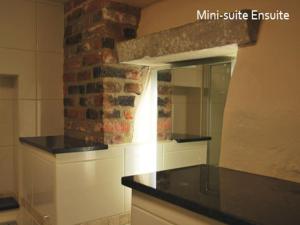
[(100, 94), (164, 102), (119, 103)]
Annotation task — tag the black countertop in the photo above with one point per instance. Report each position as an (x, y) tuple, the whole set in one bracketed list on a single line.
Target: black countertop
[(61, 144), (181, 138), (229, 196), (8, 203)]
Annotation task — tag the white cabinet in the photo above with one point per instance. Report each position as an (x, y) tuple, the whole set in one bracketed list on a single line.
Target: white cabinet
[(72, 188), (148, 210), (177, 155), (38, 185), (90, 189), (140, 216)]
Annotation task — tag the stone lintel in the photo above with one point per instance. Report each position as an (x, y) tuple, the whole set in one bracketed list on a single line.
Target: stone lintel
[(190, 37)]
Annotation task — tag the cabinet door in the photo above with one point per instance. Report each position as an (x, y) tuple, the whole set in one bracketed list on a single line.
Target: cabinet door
[(91, 189), (177, 155), (142, 158), (38, 183), (43, 188), (139, 216)]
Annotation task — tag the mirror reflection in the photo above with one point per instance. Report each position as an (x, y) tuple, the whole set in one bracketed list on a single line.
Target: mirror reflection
[(191, 102)]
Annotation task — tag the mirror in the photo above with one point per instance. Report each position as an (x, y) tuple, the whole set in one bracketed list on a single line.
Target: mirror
[(191, 101)]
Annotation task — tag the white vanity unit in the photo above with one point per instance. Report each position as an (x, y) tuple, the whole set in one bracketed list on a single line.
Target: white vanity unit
[(147, 210), (69, 188)]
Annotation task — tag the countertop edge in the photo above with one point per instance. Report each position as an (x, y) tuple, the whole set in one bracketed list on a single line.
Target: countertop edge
[(186, 138), (183, 203), (55, 151)]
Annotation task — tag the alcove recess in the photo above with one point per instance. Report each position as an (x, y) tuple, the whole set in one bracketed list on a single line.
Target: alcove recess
[(190, 42), (8, 135)]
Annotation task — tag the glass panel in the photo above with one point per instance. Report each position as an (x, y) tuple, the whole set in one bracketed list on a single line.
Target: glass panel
[(191, 102), (218, 77)]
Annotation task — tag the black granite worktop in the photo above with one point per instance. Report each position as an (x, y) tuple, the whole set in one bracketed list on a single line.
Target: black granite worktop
[(229, 196), (62, 144), (8, 203), (182, 138)]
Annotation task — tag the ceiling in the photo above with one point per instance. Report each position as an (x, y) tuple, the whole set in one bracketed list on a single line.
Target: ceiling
[(137, 3)]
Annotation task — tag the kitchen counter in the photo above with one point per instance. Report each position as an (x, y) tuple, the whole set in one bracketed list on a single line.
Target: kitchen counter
[(61, 144), (227, 196), (182, 138), (8, 203)]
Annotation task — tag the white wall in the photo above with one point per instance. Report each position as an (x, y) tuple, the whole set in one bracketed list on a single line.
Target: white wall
[(262, 113), (31, 51), (7, 134), (31, 47)]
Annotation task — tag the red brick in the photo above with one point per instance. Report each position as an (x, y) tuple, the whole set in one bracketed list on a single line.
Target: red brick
[(108, 126), (164, 125), (90, 139), (112, 87), (91, 44), (92, 6), (67, 125), (84, 75), (68, 6), (95, 5), (118, 6), (117, 139), (69, 77), (164, 90), (78, 2), (109, 100), (76, 114), (98, 127), (112, 114), (73, 63), (100, 138), (85, 18), (128, 114), (98, 100), (116, 126), (133, 88), (122, 127), (65, 90), (92, 59), (133, 74), (163, 136), (108, 56), (96, 29)]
